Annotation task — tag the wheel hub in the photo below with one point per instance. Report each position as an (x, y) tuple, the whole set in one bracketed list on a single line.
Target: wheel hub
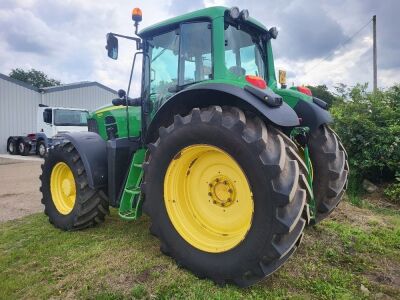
[(67, 187), (222, 191), (42, 149)]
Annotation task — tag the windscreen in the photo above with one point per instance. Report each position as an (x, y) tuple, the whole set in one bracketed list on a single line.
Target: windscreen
[(243, 53), (67, 117)]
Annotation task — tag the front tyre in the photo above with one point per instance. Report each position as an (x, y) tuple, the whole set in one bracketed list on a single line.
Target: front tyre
[(69, 202), (41, 149), (225, 194)]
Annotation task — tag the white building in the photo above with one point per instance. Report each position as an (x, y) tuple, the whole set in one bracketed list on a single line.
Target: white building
[(19, 102)]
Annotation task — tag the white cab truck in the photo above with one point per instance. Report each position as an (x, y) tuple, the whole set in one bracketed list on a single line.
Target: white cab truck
[(50, 122)]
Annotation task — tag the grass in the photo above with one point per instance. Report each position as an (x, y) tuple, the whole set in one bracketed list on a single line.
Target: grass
[(357, 247)]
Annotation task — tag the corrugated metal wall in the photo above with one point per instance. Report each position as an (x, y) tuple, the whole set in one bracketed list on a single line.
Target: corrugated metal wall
[(18, 105), (90, 98), (17, 111)]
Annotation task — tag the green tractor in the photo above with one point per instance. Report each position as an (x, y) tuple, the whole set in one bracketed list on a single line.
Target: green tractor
[(229, 167)]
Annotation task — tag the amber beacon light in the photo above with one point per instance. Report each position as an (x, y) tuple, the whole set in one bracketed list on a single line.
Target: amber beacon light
[(137, 14)]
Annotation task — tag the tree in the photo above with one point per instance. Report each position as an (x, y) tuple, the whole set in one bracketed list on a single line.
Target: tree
[(33, 77), (322, 92)]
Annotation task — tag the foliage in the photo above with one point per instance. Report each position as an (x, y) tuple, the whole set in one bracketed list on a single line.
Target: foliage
[(393, 190), (322, 92), (33, 77), (368, 124)]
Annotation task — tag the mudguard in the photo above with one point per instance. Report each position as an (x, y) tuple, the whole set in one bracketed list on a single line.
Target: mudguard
[(311, 114), (206, 94), (93, 152)]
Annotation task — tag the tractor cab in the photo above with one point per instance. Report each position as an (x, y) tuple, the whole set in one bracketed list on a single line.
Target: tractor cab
[(211, 46)]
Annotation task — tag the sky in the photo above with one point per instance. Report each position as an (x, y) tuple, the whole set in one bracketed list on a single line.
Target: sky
[(66, 39)]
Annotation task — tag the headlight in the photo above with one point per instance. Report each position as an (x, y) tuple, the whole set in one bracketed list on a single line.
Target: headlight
[(234, 12), (244, 14)]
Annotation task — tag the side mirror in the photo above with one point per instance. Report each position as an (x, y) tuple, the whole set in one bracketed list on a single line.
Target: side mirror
[(112, 46), (47, 116)]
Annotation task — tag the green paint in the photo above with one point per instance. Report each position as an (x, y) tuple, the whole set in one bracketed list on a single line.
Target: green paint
[(130, 207), (305, 131), (292, 97), (119, 113)]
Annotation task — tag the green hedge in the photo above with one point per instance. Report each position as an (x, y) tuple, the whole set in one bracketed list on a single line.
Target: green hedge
[(369, 127)]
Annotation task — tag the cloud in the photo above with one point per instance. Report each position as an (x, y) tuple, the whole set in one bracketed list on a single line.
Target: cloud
[(177, 7), (66, 39), (20, 39)]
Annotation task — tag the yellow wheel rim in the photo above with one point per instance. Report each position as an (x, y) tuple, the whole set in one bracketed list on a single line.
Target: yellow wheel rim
[(62, 187), (208, 198)]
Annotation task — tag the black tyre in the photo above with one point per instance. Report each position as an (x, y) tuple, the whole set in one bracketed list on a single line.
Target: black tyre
[(41, 149), (274, 174), (69, 202), (331, 169), (12, 147), (23, 148)]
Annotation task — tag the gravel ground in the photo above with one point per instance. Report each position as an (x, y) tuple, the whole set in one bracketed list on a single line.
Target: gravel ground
[(19, 188)]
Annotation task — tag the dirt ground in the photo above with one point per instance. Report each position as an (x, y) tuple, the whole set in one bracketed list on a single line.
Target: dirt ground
[(19, 188)]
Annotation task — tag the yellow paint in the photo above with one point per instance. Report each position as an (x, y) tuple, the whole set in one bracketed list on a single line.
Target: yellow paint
[(109, 108), (63, 188), (282, 77), (208, 198)]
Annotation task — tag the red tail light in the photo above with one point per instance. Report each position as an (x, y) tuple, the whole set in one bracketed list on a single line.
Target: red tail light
[(304, 90), (256, 81)]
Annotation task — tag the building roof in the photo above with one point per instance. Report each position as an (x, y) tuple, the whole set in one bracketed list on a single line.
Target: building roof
[(21, 83), (58, 88)]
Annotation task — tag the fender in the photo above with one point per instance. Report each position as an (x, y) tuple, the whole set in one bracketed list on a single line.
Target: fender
[(311, 114), (206, 94), (93, 152)]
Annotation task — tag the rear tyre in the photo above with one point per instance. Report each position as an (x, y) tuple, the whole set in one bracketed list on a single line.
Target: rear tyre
[(225, 194), (23, 148), (331, 169), (12, 147), (41, 149), (69, 202)]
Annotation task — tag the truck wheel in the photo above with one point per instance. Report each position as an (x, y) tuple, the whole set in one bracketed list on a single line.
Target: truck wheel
[(23, 148), (41, 149), (12, 147), (225, 195), (330, 166), (69, 202)]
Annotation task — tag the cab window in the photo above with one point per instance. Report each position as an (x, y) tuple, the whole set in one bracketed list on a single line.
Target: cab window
[(177, 58), (243, 53)]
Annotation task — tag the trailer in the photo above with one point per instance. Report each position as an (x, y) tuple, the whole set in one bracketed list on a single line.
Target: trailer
[(50, 122)]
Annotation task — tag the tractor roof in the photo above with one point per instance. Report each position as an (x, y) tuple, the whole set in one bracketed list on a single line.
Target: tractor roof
[(210, 12)]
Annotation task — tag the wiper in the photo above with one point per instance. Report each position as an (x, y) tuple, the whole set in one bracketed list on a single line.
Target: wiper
[(159, 54)]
